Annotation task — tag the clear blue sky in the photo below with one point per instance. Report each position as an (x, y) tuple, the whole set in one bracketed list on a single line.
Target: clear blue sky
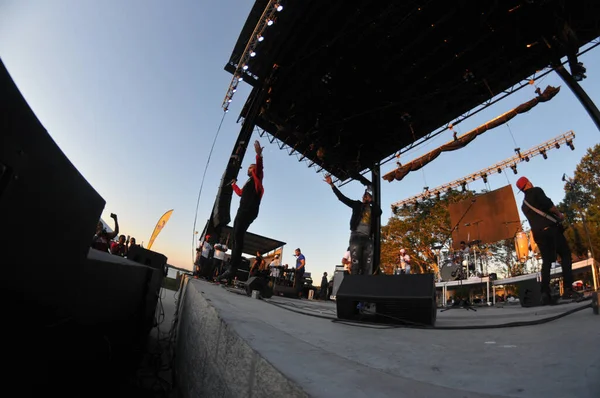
[(132, 90)]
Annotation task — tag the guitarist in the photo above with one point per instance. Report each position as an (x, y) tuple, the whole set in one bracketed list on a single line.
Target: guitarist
[(545, 222)]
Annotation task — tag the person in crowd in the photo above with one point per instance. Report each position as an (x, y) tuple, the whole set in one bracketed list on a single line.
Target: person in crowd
[(258, 265), (347, 260), (404, 262), (545, 222), (250, 197), (300, 269), (132, 243), (119, 248), (102, 239), (324, 286), (219, 257), (273, 266), (362, 227), (205, 260)]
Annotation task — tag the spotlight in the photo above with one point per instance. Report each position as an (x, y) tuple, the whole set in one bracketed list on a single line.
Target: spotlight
[(570, 144), (234, 90), (484, 176), (514, 168), (499, 170), (278, 7), (240, 78), (543, 152), (229, 100), (448, 190), (527, 158), (557, 145), (425, 189), (226, 110), (253, 54), (518, 151), (260, 38), (405, 206), (463, 186), (395, 209), (270, 22), (245, 67), (438, 194)]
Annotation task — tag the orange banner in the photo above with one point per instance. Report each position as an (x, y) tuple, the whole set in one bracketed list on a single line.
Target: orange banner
[(159, 226)]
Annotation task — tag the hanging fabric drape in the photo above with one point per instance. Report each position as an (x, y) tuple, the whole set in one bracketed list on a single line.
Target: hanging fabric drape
[(465, 139)]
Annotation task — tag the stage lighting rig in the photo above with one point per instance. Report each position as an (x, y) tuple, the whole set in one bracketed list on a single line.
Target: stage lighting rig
[(267, 19), (499, 167), (570, 145)]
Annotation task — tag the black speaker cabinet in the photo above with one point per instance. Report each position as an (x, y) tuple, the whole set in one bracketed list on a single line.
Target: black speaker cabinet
[(48, 211), (530, 293), (396, 298), (261, 284), (338, 277), (148, 257)]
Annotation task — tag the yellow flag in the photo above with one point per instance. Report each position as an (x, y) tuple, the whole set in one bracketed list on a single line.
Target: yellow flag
[(159, 226)]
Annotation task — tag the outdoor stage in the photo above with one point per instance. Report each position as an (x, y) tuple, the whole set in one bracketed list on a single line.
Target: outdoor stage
[(233, 345)]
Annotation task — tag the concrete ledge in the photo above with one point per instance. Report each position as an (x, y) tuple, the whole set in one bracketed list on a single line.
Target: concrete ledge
[(212, 360)]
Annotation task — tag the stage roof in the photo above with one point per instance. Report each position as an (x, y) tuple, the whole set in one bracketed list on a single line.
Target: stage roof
[(252, 242), (357, 81)]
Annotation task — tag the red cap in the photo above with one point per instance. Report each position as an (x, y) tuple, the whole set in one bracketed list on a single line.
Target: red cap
[(521, 182)]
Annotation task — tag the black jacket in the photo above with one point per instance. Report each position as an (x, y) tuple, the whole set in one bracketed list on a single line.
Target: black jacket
[(357, 207)]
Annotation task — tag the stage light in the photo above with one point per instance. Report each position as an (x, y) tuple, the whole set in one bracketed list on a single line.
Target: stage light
[(278, 7), (229, 100), (438, 194), (484, 176), (240, 78), (527, 158), (260, 38), (270, 22), (405, 206), (518, 151), (499, 170), (395, 209), (245, 67), (543, 152), (234, 90), (463, 186), (514, 168), (253, 54), (570, 144), (557, 145), (425, 189), (226, 110)]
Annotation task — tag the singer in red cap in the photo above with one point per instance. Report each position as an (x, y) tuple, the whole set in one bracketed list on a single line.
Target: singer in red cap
[(545, 222)]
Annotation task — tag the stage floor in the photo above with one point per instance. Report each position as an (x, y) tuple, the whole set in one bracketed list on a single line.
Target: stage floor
[(326, 358)]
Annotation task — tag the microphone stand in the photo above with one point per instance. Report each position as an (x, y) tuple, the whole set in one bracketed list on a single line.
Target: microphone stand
[(465, 304)]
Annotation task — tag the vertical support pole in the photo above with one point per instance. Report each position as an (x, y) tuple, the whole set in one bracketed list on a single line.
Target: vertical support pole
[(581, 95), (376, 181)]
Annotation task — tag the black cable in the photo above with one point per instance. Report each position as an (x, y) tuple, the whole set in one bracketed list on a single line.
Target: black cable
[(202, 184), (415, 325)]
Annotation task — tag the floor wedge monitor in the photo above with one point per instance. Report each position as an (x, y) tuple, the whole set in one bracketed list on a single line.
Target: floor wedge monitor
[(395, 299)]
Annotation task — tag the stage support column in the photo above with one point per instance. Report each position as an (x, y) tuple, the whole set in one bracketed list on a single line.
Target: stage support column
[(376, 181), (580, 93)]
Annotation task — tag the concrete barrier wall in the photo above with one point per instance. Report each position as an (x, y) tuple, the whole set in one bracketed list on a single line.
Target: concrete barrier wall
[(212, 360)]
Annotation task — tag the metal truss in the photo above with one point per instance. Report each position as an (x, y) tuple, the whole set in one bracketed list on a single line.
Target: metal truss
[(241, 69), (449, 126), (512, 162), (291, 151)]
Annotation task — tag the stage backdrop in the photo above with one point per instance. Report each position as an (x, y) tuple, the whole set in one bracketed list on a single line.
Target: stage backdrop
[(492, 217)]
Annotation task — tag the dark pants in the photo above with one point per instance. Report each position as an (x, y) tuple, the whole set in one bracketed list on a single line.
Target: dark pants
[(240, 226), (552, 242), (361, 252)]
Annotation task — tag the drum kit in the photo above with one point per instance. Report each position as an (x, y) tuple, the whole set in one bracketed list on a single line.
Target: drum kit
[(463, 264)]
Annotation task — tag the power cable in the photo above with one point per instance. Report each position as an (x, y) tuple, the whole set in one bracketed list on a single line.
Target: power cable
[(202, 184)]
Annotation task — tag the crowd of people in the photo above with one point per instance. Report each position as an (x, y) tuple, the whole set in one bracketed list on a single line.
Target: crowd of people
[(112, 242)]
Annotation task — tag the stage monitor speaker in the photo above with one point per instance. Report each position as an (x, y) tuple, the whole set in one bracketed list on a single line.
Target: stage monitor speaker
[(148, 257), (260, 284), (397, 298), (338, 277), (48, 211), (530, 293)]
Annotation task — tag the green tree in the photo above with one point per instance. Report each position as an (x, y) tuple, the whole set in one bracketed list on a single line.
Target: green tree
[(419, 229), (581, 205)]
